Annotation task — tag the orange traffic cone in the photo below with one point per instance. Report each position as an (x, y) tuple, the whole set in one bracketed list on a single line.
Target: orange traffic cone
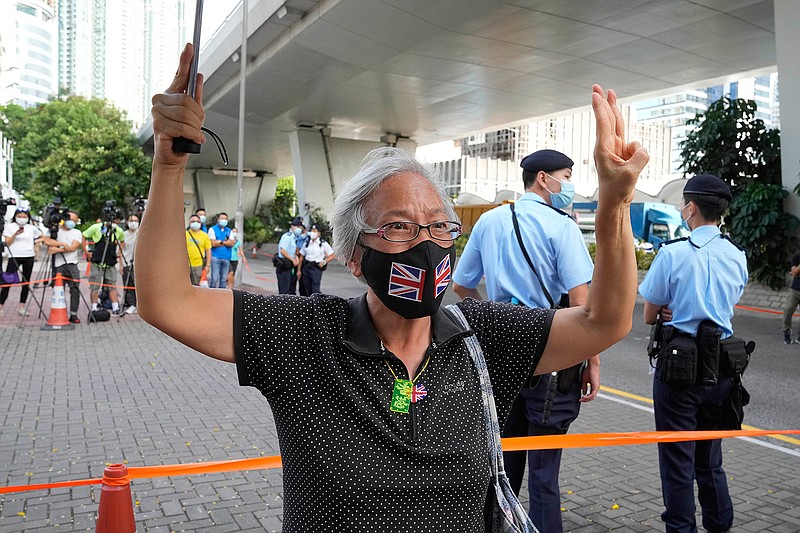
[(115, 514), (58, 308)]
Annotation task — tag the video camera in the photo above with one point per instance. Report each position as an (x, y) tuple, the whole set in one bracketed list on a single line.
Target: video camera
[(139, 204), (53, 215), (111, 211), (4, 203)]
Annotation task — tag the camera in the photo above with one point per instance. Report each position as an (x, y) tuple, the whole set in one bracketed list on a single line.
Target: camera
[(53, 216), (139, 204), (111, 211), (4, 203)]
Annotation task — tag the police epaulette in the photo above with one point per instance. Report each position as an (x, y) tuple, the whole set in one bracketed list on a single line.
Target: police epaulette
[(673, 241), (736, 244)]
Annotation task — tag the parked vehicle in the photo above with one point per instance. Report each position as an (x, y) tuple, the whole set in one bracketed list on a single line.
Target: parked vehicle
[(651, 222)]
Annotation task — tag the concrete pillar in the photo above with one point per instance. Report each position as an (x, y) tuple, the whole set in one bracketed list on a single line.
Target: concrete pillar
[(787, 44), (312, 176)]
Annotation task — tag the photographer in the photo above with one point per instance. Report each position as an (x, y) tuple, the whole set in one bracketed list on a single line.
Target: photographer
[(128, 276), (19, 236), (108, 240), (65, 248)]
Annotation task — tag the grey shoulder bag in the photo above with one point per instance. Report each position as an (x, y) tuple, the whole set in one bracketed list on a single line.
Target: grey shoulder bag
[(508, 515)]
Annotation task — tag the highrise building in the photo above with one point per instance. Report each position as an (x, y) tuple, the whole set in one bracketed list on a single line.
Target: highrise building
[(121, 51), (28, 52)]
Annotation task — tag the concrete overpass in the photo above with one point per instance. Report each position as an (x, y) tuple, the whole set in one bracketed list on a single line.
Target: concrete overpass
[(328, 80)]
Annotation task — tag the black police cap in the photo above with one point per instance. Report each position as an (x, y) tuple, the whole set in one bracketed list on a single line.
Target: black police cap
[(298, 221), (708, 185), (316, 227), (546, 160)]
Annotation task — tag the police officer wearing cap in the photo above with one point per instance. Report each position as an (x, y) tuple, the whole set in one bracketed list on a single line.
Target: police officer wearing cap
[(692, 286), (316, 254), (557, 252), (286, 260)]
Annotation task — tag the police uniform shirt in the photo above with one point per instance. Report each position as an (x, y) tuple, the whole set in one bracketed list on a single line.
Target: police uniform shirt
[(351, 464), (699, 278), (288, 242), (316, 250), (552, 240)]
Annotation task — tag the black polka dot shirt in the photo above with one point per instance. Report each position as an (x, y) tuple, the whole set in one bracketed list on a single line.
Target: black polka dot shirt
[(351, 464)]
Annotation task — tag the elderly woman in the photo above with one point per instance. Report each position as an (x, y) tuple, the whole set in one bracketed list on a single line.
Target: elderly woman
[(380, 419)]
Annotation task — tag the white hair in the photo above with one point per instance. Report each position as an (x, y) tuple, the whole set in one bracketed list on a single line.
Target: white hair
[(349, 208)]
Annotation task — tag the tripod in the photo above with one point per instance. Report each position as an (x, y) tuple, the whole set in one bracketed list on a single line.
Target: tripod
[(23, 279), (110, 243)]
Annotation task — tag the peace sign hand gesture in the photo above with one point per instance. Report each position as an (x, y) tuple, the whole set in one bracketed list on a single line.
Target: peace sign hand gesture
[(618, 163)]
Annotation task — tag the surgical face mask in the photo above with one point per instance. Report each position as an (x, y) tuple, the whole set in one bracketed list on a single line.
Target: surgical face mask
[(194, 225), (132, 225), (222, 222), (114, 225), (685, 221), (21, 221), (202, 219), (410, 283), (314, 235), (562, 199), (298, 231), (69, 224), (234, 235)]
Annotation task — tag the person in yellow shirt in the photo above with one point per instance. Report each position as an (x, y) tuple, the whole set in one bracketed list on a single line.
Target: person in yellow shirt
[(198, 245)]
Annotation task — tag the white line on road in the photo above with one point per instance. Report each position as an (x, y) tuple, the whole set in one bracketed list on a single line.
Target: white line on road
[(752, 440)]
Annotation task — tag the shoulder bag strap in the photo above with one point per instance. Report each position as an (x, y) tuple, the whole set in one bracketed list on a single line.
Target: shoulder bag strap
[(507, 503), (528, 259), (202, 255)]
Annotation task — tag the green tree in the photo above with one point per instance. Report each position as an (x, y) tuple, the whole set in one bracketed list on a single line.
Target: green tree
[(732, 143), (283, 207), (83, 149)]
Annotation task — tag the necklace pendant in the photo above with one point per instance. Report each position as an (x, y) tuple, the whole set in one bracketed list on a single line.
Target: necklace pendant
[(418, 392), (401, 396)]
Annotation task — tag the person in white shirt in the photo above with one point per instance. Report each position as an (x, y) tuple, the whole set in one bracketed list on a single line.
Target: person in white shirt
[(65, 248), (19, 236), (126, 268), (317, 253)]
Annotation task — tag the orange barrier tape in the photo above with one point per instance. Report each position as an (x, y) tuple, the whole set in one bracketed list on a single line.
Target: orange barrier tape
[(576, 440), (761, 310)]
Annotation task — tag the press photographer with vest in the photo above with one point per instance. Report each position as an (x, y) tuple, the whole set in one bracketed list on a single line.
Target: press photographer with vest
[(108, 239), (692, 287)]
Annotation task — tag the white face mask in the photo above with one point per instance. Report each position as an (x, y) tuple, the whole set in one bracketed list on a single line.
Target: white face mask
[(314, 235), (21, 221), (132, 225)]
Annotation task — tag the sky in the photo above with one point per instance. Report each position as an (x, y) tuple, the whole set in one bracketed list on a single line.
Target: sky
[(214, 14)]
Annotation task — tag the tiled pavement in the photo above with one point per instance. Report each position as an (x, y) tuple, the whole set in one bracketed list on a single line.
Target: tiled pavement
[(72, 401)]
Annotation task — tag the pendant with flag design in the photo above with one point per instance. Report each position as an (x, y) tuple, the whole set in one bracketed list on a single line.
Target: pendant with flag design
[(418, 392)]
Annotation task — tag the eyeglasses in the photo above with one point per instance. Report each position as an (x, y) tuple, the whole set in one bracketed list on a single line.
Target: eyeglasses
[(403, 231)]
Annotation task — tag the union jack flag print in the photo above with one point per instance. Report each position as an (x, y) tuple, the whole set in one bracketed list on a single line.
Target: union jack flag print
[(442, 279), (406, 282), (418, 392)]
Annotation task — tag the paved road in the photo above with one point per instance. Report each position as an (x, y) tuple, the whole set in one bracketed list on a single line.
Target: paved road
[(121, 391)]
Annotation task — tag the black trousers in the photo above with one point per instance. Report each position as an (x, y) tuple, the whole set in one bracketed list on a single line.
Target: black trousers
[(128, 280), (72, 278), (25, 266)]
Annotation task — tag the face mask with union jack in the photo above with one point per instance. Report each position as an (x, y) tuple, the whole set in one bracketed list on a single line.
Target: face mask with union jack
[(410, 283)]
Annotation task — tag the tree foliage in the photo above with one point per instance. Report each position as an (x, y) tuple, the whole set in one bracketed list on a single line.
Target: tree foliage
[(730, 142), (81, 150), (767, 233)]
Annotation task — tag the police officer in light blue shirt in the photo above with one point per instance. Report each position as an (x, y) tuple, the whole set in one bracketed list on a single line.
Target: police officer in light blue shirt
[(558, 253), (692, 280), (287, 258)]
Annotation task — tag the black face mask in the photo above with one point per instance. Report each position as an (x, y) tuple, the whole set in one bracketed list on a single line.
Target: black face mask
[(410, 283)]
